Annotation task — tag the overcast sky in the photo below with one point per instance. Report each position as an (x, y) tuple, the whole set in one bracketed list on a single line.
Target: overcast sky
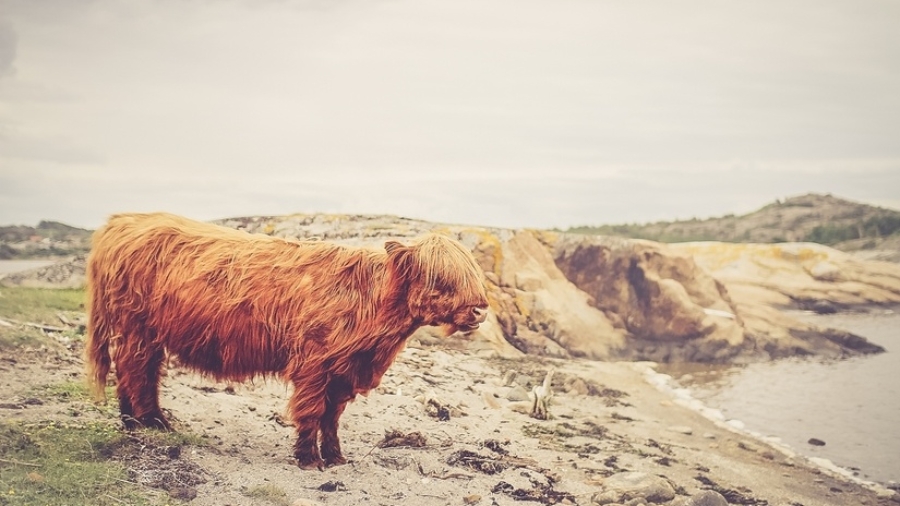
[(516, 113)]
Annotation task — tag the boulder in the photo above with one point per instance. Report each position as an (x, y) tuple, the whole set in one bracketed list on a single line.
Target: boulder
[(627, 486)]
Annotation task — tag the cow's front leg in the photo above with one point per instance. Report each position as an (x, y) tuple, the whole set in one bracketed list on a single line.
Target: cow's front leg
[(339, 393), (307, 407)]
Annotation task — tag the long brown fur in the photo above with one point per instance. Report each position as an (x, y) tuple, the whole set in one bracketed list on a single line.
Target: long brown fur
[(330, 319)]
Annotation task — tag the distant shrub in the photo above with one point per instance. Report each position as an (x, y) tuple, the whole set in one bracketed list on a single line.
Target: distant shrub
[(881, 226), (832, 234)]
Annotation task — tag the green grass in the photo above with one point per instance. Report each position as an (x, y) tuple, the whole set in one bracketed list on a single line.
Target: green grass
[(37, 305), (75, 460), (78, 397), (71, 391), (65, 463), (68, 463)]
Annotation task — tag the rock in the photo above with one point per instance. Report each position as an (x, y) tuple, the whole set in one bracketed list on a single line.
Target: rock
[(707, 498), (825, 271), (395, 462), (823, 307), (577, 386), (629, 277), (627, 486), (517, 393), (471, 499), (816, 442)]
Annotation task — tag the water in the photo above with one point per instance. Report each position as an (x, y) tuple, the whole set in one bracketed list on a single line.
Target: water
[(11, 266), (852, 405)]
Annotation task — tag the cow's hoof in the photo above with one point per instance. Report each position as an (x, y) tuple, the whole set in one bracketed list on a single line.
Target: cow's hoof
[(156, 421), (311, 464), (337, 460)]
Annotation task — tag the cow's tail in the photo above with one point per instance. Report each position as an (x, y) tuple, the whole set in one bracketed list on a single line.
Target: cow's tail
[(97, 359)]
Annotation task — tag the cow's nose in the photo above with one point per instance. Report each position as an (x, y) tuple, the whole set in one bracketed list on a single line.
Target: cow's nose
[(479, 312)]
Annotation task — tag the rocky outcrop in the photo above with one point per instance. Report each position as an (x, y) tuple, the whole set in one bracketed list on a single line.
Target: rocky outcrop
[(764, 279), (569, 295), (68, 273), (540, 309), (670, 309)]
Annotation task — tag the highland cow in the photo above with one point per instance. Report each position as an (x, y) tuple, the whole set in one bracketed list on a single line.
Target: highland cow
[(328, 318)]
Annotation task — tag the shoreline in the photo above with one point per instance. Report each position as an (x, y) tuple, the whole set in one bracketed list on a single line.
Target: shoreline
[(683, 397)]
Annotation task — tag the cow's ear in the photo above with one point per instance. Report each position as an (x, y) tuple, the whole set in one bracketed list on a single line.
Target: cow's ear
[(392, 247)]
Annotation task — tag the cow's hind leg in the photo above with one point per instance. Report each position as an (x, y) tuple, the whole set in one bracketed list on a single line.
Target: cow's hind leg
[(138, 370), (339, 393)]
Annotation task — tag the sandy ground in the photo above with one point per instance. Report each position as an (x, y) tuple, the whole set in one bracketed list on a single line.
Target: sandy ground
[(607, 419)]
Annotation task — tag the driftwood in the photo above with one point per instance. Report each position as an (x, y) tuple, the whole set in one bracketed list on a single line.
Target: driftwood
[(9, 322)]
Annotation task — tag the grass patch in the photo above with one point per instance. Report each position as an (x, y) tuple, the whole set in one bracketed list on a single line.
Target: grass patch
[(17, 338), (41, 306), (71, 391), (65, 463), (268, 492), (77, 397)]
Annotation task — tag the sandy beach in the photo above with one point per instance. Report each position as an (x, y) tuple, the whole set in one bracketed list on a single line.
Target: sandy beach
[(449, 426)]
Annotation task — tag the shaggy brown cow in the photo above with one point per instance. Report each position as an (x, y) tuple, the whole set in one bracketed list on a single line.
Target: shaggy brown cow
[(232, 305)]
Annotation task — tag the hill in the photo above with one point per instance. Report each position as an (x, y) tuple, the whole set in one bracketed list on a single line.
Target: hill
[(48, 240), (823, 219)]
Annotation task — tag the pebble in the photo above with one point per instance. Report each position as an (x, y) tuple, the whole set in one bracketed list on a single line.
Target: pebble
[(577, 387), (707, 498), (682, 429), (633, 485)]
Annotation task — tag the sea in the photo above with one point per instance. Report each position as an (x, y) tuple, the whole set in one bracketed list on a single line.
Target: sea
[(846, 412), (11, 266)]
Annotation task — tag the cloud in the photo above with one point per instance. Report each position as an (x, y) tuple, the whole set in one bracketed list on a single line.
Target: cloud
[(8, 43), (517, 113), (16, 146)]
